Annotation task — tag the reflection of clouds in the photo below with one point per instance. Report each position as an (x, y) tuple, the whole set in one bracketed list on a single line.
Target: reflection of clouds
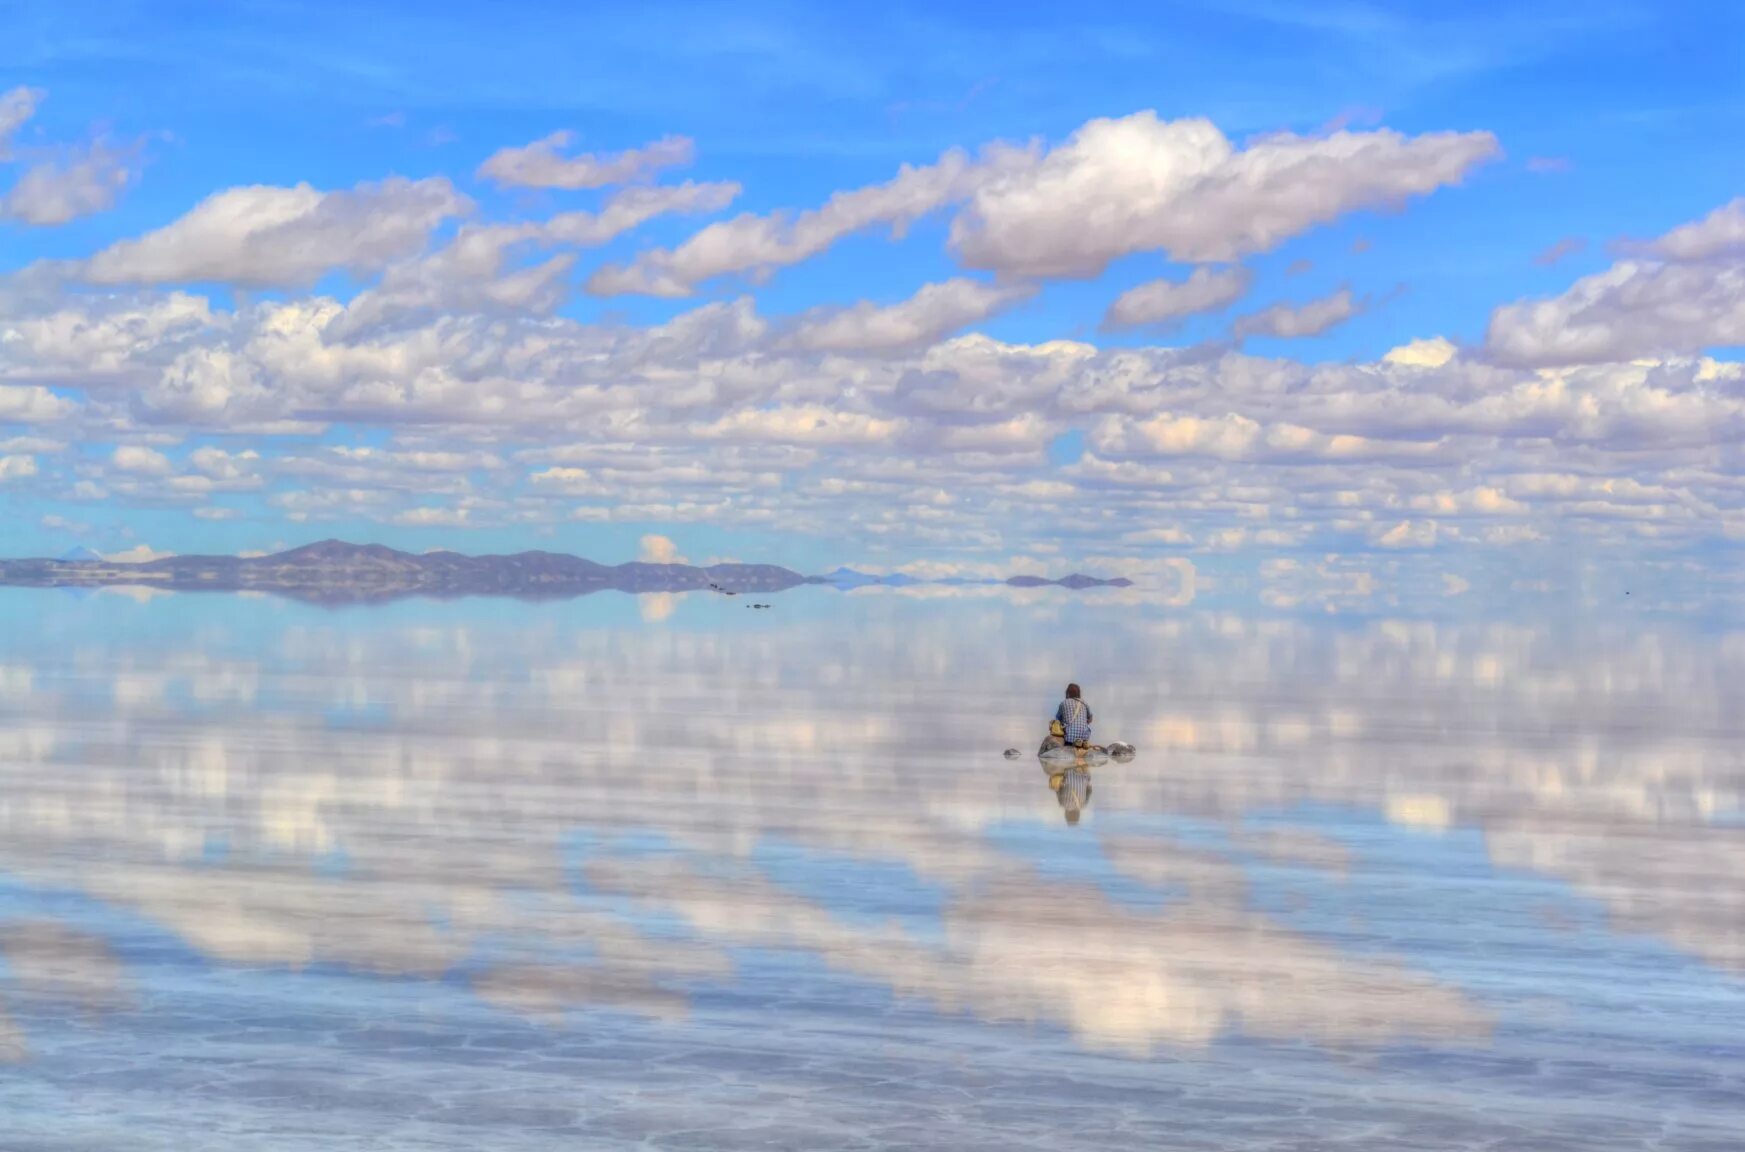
[(12, 1046), (448, 805), (1683, 889), (1132, 981), (1118, 979), (138, 593), (50, 963), (50, 967), (654, 607)]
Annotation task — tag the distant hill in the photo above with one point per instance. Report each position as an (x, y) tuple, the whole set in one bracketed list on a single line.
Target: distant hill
[(333, 571), (80, 554)]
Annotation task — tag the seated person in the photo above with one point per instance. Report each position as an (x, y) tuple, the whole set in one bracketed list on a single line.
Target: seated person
[(1074, 718)]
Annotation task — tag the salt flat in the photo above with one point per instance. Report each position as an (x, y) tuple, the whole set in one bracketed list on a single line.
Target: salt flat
[(657, 872)]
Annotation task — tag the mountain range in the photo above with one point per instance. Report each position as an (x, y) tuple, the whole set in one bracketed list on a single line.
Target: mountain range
[(336, 572)]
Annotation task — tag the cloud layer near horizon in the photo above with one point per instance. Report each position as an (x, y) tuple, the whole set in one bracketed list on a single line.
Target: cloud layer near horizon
[(455, 348)]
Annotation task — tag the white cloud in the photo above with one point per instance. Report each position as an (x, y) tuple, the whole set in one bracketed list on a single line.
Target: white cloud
[(17, 467), (659, 550), (1431, 353), (1629, 311), (1169, 537), (935, 311), (17, 106), (470, 273), (1408, 534), (32, 405), (262, 236), (141, 461), (138, 554), (801, 424), (1687, 294), (1234, 436), (1287, 321), (750, 243), (1720, 234), (542, 164), (430, 517), (1161, 301), (222, 465), (1141, 184), (79, 182)]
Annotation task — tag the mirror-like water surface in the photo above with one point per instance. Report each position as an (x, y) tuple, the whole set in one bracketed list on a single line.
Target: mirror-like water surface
[(665, 874)]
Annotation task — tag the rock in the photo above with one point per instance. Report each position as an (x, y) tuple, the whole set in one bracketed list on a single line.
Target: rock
[(1011, 753), (1121, 753), (1064, 756)]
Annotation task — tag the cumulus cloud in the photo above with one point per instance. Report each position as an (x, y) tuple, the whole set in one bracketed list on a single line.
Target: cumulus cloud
[(1142, 184), (1115, 187), (1433, 352), (1161, 301), (141, 461), (138, 554), (1720, 234), (1683, 293), (32, 404), (1287, 321), (1234, 436), (659, 550), (267, 237), (79, 182), (432, 517), (752, 243), (472, 273), (17, 106), (1633, 309), (935, 311), (17, 467), (1407, 534), (542, 164), (69, 181)]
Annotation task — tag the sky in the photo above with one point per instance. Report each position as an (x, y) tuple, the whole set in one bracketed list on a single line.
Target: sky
[(1327, 293)]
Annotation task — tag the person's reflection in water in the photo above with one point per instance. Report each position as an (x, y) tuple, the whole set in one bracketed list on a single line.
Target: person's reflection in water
[(1073, 789)]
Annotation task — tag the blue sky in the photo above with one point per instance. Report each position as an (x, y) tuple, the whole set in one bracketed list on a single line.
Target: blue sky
[(1435, 159)]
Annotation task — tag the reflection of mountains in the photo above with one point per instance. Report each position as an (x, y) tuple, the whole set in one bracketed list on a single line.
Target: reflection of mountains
[(334, 572), (1585, 758)]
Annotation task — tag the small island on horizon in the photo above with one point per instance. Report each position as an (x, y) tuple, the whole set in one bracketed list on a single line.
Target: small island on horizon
[(333, 571)]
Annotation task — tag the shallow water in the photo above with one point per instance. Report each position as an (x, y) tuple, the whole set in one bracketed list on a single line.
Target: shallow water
[(661, 873)]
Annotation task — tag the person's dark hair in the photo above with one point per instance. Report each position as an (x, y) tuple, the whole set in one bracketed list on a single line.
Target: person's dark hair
[(1072, 691)]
